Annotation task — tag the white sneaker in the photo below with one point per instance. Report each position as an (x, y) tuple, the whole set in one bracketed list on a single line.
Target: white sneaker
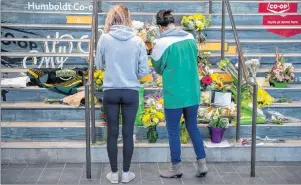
[(127, 177), (113, 177)]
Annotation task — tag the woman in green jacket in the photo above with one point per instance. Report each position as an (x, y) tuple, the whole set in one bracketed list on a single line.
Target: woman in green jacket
[(175, 58)]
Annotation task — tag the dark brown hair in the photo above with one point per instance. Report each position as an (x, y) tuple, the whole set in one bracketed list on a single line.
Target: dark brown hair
[(165, 17)]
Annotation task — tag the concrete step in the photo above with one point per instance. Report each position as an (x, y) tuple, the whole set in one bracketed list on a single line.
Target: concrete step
[(39, 111), (34, 93), (21, 152), (68, 131)]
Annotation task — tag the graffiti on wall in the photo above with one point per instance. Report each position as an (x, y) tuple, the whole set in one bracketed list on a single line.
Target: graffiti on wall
[(46, 47)]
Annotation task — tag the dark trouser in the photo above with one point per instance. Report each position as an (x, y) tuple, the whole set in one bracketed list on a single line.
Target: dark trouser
[(173, 117), (127, 101)]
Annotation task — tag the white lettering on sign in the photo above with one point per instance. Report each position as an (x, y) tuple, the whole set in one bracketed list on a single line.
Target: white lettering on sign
[(56, 62), (278, 7), (59, 6)]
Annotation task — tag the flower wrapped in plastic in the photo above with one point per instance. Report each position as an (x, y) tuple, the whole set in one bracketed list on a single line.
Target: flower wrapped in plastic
[(253, 66), (151, 117), (184, 135), (278, 118), (197, 23), (139, 29), (98, 78), (281, 72)]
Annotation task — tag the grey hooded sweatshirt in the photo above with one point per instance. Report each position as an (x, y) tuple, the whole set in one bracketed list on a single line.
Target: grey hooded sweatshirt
[(123, 56)]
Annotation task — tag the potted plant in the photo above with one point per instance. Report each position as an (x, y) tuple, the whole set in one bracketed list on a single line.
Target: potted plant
[(184, 135), (151, 117), (217, 126), (281, 73)]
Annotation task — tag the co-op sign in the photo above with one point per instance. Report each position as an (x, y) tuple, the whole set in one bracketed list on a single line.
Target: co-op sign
[(278, 7), (59, 6)]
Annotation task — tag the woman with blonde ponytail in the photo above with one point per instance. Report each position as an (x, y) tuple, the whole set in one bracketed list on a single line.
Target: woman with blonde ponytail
[(124, 57)]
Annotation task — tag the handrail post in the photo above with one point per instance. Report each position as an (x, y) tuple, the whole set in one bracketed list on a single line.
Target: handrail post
[(238, 112), (223, 30), (254, 115), (210, 7), (87, 121), (93, 45)]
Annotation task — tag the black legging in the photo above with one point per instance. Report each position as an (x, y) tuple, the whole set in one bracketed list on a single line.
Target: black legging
[(127, 100)]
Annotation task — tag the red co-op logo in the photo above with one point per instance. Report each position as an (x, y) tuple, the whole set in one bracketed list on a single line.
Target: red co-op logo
[(278, 7)]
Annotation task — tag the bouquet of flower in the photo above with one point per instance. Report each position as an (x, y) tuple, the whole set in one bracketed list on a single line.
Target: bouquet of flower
[(218, 121), (152, 32), (205, 114), (98, 78), (281, 72), (196, 22), (139, 29), (147, 32), (203, 59), (253, 66), (218, 84), (206, 83), (184, 135), (263, 98), (151, 117)]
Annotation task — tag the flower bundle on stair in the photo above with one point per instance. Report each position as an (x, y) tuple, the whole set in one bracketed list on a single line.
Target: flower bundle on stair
[(281, 73), (153, 115)]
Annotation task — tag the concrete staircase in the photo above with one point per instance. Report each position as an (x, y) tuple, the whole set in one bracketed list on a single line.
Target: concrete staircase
[(34, 132)]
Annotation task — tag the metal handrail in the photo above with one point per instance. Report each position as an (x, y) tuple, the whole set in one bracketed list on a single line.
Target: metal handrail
[(242, 69), (89, 93)]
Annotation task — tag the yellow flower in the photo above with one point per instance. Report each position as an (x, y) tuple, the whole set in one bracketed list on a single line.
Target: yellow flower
[(190, 18), (199, 25), (150, 63), (156, 120), (198, 16), (214, 77), (98, 81), (161, 101), (185, 19), (160, 115), (102, 75), (145, 118), (182, 119), (96, 75), (207, 53)]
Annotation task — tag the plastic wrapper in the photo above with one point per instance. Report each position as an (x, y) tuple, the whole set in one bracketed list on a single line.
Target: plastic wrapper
[(278, 118), (138, 121), (246, 114)]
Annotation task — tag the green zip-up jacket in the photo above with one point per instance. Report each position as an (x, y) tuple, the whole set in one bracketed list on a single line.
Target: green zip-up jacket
[(174, 57)]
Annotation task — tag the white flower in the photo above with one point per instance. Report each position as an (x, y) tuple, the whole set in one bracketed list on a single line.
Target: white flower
[(137, 25)]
